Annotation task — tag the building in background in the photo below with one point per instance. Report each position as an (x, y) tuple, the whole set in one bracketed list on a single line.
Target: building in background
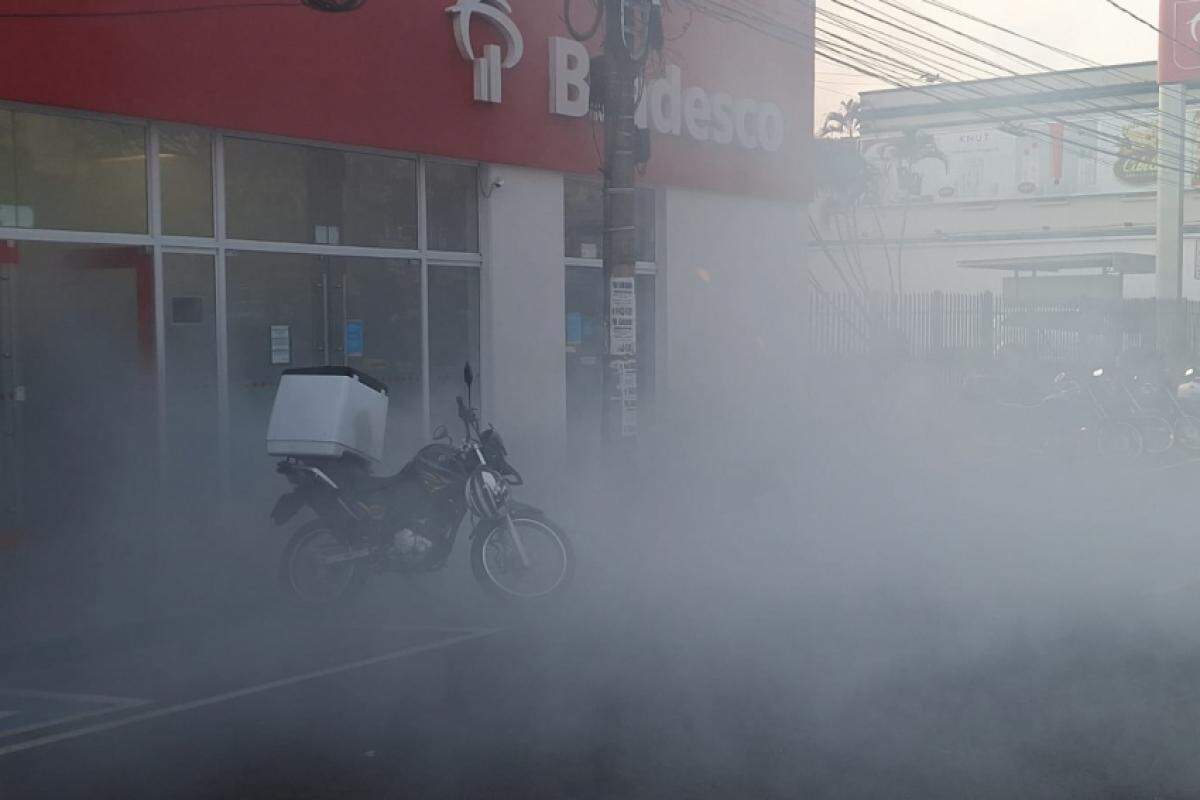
[(975, 182), (194, 202)]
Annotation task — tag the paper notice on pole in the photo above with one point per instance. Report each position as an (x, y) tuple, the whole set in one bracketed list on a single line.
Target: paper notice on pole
[(622, 322), (627, 385)]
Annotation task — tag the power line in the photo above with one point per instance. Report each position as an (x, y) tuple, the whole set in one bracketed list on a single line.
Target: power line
[(1037, 65), (153, 12), (1119, 142), (871, 64)]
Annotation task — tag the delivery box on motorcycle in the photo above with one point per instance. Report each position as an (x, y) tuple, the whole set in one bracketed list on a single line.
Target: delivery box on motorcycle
[(328, 412)]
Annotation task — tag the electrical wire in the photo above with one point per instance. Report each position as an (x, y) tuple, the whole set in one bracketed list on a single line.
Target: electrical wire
[(884, 70), (1118, 141), (151, 12)]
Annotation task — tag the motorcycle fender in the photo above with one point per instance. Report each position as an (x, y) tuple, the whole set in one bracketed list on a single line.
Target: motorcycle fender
[(288, 506), (515, 508)]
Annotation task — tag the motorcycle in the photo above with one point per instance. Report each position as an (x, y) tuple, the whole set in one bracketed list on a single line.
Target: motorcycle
[(408, 522)]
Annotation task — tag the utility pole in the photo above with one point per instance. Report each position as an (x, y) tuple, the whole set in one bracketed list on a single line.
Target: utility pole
[(619, 418), (1172, 107)]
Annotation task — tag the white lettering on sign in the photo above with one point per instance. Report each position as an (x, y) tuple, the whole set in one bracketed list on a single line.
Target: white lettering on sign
[(569, 89), (667, 107)]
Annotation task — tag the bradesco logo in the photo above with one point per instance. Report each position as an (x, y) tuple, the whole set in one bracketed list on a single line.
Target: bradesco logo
[(487, 70), (667, 106)]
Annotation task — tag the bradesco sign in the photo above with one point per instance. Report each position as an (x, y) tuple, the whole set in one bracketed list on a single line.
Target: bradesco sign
[(668, 106)]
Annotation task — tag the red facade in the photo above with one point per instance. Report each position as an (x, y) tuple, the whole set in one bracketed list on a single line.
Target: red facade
[(390, 76)]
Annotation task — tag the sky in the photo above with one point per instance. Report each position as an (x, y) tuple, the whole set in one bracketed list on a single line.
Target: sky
[(1091, 28)]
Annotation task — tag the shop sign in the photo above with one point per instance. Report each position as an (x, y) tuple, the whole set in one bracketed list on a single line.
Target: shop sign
[(667, 106), (1136, 156)]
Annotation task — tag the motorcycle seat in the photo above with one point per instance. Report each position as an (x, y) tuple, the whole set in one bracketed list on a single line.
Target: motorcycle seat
[(370, 484)]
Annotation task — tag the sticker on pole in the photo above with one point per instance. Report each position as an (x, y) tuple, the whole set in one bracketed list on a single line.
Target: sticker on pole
[(622, 320)]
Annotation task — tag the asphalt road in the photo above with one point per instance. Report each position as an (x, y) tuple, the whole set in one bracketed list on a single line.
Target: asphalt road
[(961, 632)]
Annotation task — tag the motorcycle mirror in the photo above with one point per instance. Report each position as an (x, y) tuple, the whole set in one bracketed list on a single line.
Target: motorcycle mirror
[(468, 376), (440, 433)]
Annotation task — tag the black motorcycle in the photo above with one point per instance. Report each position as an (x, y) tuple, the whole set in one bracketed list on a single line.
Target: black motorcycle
[(408, 522)]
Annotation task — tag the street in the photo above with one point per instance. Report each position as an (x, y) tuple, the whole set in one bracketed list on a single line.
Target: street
[(937, 644)]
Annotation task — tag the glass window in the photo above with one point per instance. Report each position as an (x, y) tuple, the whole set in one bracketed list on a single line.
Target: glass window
[(452, 206), (8, 171), (293, 193), (453, 340), (77, 174), (376, 327), (583, 213), (583, 210), (185, 173)]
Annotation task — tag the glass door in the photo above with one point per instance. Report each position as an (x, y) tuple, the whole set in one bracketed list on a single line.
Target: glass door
[(374, 325), (190, 417), (276, 320), (79, 390)]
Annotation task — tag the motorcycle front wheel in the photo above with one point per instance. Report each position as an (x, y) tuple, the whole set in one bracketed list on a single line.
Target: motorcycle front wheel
[(1118, 439), (315, 568), (1157, 434), (1187, 432), (545, 571)]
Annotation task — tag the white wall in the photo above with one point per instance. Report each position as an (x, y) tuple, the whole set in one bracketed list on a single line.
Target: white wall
[(730, 294), (1074, 226), (524, 374), (731, 270)]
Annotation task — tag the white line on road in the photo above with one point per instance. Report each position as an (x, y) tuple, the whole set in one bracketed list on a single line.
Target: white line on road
[(111, 705), (73, 697), (179, 708), (385, 627)]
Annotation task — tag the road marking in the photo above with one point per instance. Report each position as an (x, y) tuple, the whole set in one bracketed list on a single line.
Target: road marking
[(179, 708), (1175, 465), (73, 697), (388, 628), (111, 706)]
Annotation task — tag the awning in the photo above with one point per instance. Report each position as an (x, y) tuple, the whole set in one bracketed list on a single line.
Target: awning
[(1122, 263)]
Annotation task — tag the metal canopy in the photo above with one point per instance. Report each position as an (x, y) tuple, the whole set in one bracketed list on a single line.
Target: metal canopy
[(1123, 263)]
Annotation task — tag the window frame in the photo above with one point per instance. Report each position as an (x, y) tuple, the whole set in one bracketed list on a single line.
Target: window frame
[(219, 243)]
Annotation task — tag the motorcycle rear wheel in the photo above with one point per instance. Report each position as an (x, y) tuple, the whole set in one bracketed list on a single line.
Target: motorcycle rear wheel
[(497, 566), (310, 582)]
